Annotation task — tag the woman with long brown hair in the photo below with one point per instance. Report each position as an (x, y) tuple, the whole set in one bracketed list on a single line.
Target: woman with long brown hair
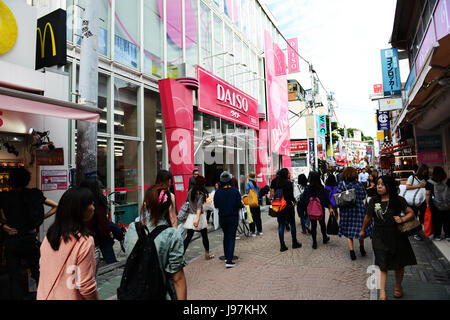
[(155, 212)]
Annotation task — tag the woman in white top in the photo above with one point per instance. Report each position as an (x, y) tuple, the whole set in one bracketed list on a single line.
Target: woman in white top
[(417, 181)]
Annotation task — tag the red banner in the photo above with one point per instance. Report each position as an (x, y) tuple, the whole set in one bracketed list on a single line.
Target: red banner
[(301, 145)]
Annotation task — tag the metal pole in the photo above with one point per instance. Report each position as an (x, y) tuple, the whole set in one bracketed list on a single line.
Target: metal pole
[(86, 159)]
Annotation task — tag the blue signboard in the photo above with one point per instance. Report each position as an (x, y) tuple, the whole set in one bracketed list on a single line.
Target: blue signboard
[(383, 120), (391, 72), (322, 124), (312, 158)]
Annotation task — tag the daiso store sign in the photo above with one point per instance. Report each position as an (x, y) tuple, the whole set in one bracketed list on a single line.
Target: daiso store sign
[(221, 99)]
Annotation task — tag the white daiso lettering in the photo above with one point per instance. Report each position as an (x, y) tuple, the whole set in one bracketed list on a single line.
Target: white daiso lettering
[(200, 310), (245, 104), (228, 97), (220, 92), (239, 102)]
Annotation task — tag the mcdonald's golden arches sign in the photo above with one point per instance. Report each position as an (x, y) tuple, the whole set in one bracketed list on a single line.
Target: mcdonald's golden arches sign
[(51, 40)]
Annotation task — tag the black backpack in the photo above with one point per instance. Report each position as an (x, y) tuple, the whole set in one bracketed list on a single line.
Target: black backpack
[(143, 278)]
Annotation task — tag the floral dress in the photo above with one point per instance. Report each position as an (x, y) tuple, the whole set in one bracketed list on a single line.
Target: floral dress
[(351, 219), (392, 249)]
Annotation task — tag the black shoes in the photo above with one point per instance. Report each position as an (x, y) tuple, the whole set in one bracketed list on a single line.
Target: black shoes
[(314, 246), (325, 240), (352, 254), (363, 252), (283, 247), (296, 245)]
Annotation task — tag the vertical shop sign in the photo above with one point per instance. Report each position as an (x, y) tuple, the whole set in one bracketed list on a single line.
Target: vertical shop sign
[(442, 19), (322, 124), (391, 72), (312, 159), (293, 60), (383, 120)]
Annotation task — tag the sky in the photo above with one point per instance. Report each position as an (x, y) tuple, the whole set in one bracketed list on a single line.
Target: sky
[(342, 39)]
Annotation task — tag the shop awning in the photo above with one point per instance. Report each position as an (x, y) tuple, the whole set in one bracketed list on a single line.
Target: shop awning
[(19, 101), (431, 83)]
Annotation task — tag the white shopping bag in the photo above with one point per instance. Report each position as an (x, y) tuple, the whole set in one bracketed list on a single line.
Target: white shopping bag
[(216, 218)]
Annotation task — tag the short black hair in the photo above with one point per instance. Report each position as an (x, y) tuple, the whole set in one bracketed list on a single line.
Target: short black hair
[(195, 170), (19, 178)]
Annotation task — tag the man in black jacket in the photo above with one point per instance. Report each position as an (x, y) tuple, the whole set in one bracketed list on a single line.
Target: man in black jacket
[(192, 179)]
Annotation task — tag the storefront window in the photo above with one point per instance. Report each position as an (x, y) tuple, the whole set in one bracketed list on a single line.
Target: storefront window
[(103, 101), (153, 39), (102, 155), (213, 149), (239, 68), (174, 38), (247, 70), (69, 19), (205, 31), (218, 47), (126, 175), (126, 40), (125, 108), (153, 138), (191, 14), (229, 60), (230, 146), (104, 9)]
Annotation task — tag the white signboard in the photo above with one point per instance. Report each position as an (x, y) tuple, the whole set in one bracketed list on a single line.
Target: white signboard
[(390, 104)]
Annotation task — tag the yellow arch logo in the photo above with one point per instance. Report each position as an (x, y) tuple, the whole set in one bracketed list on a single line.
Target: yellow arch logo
[(8, 29), (42, 39)]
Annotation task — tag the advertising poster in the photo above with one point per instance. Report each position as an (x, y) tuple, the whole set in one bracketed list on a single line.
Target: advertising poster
[(53, 180)]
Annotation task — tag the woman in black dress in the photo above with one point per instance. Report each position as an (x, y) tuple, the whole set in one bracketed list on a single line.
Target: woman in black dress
[(392, 249)]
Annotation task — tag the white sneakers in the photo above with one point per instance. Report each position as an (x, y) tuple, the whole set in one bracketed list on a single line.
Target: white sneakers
[(253, 234), (230, 265)]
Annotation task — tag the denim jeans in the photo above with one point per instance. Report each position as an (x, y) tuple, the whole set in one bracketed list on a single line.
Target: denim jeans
[(304, 220), (229, 227), (282, 221)]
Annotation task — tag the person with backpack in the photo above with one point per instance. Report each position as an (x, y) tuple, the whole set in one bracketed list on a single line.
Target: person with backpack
[(302, 183), (331, 186), (23, 210), (252, 194), (196, 220), (391, 248), (352, 217), (284, 199), (417, 182), (438, 200), (164, 178), (67, 261), (155, 255), (228, 201), (314, 201)]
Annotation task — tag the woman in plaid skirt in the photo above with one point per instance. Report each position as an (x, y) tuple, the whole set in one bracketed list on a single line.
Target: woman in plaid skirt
[(351, 218)]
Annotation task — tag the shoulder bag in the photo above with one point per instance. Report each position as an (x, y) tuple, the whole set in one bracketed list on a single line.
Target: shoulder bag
[(414, 197), (410, 227), (184, 212), (346, 198)]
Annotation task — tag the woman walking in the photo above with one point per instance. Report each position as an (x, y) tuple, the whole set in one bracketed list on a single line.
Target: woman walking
[(155, 212), (255, 211), (67, 261), (304, 220), (196, 220), (438, 200), (287, 215), (164, 178), (392, 249), (331, 186), (351, 218), (228, 201), (315, 189)]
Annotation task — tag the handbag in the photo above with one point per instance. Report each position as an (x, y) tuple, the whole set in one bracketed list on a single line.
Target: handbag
[(346, 198), (414, 197), (332, 225), (184, 212), (410, 227), (427, 223), (249, 214)]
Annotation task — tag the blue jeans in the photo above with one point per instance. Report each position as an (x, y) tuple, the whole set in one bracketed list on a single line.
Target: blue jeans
[(229, 227), (282, 221), (304, 220)]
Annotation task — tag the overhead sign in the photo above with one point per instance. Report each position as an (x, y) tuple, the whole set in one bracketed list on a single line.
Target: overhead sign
[(8, 29), (293, 60), (322, 125), (51, 40), (390, 104), (221, 99), (378, 88), (383, 120), (53, 157), (312, 155), (299, 145), (391, 72), (380, 135)]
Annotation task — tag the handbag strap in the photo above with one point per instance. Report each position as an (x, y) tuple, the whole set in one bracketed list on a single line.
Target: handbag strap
[(67, 258)]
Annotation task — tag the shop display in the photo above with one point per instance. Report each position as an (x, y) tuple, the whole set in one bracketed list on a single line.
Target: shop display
[(5, 169)]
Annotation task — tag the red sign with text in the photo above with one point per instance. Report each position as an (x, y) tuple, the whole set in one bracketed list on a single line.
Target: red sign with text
[(301, 145), (221, 99), (378, 88)]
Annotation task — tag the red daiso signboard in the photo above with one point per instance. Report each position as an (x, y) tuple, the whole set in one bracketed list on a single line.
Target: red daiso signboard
[(221, 99)]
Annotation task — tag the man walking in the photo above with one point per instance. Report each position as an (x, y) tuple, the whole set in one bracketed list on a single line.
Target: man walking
[(192, 179), (363, 177)]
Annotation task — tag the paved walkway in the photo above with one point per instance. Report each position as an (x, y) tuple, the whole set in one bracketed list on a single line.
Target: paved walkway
[(327, 273)]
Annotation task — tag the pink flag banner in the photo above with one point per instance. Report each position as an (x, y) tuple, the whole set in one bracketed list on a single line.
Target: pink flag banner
[(293, 59)]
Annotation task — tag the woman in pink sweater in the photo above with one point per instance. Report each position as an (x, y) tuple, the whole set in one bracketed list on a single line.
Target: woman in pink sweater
[(67, 262)]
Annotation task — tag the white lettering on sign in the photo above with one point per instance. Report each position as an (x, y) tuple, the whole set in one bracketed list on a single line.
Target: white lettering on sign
[(231, 98)]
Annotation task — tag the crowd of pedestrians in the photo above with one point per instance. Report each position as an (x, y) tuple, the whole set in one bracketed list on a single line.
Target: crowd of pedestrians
[(64, 265)]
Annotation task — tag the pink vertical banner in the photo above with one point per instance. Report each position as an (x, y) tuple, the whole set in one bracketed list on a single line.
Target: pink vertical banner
[(442, 19), (262, 160), (277, 100), (293, 59)]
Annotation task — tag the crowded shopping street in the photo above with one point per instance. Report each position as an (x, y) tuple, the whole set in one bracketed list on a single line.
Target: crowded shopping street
[(235, 158)]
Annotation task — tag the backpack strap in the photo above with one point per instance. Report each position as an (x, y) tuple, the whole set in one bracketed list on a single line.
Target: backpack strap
[(157, 231)]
